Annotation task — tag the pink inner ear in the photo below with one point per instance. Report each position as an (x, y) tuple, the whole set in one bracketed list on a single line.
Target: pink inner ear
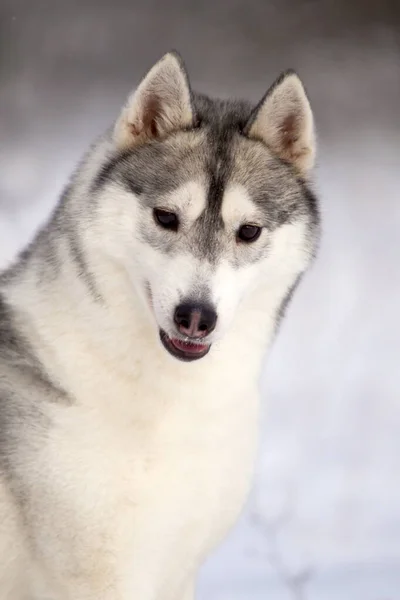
[(151, 114), (289, 131)]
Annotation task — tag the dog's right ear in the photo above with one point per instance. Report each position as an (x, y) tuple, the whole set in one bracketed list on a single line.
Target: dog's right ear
[(161, 104)]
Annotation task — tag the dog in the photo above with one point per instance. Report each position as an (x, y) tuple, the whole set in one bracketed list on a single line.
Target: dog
[(133, 330)]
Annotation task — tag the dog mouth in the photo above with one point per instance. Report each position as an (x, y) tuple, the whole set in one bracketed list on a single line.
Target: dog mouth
[(186, 350)]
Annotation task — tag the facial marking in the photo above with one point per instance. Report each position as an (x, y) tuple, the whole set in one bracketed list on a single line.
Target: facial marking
[(238, 208), (189, 200)]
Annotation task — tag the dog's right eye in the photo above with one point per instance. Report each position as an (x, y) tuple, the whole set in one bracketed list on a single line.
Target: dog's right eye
[(166, 219)]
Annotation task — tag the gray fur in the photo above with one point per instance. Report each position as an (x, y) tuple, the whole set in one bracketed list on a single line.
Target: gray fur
[(37, 386), (24, 387), (217, 151)]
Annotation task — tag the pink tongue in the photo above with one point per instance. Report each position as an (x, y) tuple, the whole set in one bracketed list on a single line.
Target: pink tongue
[(189, 346)]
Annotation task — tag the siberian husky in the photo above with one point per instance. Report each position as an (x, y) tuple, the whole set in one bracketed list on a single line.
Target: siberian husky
[(132, 335)]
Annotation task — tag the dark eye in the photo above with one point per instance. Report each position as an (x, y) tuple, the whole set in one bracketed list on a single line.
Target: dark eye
[(249, 233), (166, 219)]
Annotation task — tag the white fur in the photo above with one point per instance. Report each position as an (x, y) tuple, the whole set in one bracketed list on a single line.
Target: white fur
[(144, 474), (152, 465), (238, 208), (189, 199)]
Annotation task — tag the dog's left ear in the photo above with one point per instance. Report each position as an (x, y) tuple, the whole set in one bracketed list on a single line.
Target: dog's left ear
[(284, 122), (162, 103)]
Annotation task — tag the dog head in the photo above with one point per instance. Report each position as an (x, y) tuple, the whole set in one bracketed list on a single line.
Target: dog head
[(209, 200)]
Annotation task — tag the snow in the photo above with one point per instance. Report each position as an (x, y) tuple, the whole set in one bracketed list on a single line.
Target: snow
[(326, 495), (327, 486)]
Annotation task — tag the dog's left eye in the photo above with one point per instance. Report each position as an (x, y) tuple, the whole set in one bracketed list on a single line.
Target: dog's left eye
[(249, 233), (166, 219)]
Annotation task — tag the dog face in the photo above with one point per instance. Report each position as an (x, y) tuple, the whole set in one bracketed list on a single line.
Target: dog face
[(210, 200)]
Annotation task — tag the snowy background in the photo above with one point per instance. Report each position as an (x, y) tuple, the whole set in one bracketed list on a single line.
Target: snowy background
[(323, 521)]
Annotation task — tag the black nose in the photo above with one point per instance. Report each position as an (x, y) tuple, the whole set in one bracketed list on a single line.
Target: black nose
[(195, 320)]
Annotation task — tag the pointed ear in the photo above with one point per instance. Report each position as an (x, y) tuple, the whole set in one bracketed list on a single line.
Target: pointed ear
[(284, 122), (162, 103)]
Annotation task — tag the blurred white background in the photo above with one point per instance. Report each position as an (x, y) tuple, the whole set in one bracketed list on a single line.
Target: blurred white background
[(323, 521)]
